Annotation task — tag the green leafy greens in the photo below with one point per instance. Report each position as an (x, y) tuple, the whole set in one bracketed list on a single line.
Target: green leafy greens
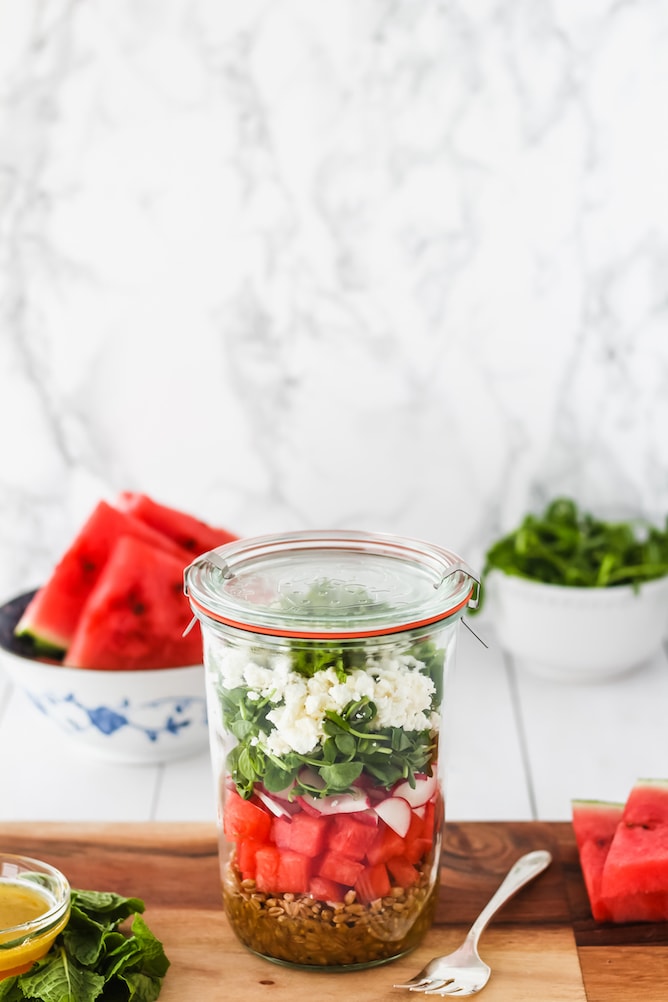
[(353, 742), (92, 959), (567, 546)]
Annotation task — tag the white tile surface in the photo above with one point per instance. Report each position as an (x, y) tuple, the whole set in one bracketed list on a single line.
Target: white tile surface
[(186, 791), (47, 777), (593, 741), (487, 778)]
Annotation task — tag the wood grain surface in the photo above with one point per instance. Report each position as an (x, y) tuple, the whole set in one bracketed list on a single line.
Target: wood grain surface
[(543, 946)]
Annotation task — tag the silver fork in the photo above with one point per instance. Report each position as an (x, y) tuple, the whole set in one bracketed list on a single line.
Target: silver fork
[(463, 972)]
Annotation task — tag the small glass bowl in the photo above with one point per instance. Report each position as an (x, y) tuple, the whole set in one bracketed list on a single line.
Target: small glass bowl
[(25, 941)]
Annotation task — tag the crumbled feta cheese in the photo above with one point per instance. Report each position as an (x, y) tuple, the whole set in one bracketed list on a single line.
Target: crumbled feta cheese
[(394, 682), (403, 694)]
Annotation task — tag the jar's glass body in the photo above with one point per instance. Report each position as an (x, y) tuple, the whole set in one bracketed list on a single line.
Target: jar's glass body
[(329, 760)]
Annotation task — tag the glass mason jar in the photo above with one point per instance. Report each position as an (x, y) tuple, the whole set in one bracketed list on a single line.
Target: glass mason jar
[(326, 656)]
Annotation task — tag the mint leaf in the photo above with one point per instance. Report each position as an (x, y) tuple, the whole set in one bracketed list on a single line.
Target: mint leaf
[(107, 906), (10, 990), (142, 987), (154, 961), (60, 979), (93, 959)]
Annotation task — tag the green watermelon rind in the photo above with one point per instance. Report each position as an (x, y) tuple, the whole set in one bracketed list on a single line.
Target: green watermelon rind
[(595, 803)]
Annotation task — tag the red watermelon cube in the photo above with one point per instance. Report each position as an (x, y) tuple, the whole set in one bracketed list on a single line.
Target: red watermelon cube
[(402, 872), (245, 855), (351, 838), (267, 861), (339, 868), (373, 883), (301, 832), (326, 890), (244, 819), (417, 849), (294, 872), (385, 845)]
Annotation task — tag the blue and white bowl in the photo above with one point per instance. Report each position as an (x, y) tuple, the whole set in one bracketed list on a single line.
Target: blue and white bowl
[(127, 716)]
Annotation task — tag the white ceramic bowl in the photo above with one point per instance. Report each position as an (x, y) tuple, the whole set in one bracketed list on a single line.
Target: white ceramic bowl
[(126, 716), (577, 634)]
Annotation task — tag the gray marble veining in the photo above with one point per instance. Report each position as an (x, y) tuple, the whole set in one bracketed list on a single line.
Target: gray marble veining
[(385, 265)]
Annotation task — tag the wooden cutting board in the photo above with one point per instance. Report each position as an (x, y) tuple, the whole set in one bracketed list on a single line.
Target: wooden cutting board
[(542, 947)]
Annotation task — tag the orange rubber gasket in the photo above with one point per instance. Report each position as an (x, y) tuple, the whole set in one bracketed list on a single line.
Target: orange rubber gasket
[(343, 635)]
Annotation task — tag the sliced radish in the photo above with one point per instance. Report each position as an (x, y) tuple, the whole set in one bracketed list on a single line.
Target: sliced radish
[(337, 803), (280, 810), (396, 813), (424, 790), (309, 777), (305, 806)]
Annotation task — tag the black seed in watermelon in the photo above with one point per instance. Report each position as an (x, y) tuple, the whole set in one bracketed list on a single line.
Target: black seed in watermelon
[(51, 617), (192, 534), (136, 614)]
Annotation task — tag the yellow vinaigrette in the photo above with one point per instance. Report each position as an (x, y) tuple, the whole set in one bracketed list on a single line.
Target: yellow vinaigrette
[(21, 904)]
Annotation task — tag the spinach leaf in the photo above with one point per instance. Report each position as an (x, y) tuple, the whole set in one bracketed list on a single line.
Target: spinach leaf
[(92, 959)]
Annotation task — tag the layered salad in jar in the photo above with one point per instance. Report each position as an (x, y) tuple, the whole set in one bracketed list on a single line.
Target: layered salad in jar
[(332, 806)]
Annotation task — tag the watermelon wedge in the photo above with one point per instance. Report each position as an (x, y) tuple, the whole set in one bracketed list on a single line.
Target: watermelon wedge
[(136, 613), (51, 616), (190, 533), (624, 854), (635, 875), (594, 825)]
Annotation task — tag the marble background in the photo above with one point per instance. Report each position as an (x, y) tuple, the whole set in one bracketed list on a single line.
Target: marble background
[(381, 264)]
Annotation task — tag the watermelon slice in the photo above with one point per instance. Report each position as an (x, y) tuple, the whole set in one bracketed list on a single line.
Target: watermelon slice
[(51, 616), (594, 825), (635, 875), (136, 614), (190, 533), (624, 854)]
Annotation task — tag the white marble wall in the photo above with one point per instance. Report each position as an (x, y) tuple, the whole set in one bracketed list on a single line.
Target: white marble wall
[(386, 264)]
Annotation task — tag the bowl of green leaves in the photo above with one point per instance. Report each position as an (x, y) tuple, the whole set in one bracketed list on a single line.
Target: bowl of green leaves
[(576, 597)]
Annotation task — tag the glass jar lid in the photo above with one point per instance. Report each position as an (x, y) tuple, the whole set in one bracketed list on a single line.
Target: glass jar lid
[(331, 584)]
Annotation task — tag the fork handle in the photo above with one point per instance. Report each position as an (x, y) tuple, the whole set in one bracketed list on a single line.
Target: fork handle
[(525, 869)]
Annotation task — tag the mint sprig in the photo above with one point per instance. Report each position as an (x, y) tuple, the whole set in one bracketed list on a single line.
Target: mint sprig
[(92, 959)]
